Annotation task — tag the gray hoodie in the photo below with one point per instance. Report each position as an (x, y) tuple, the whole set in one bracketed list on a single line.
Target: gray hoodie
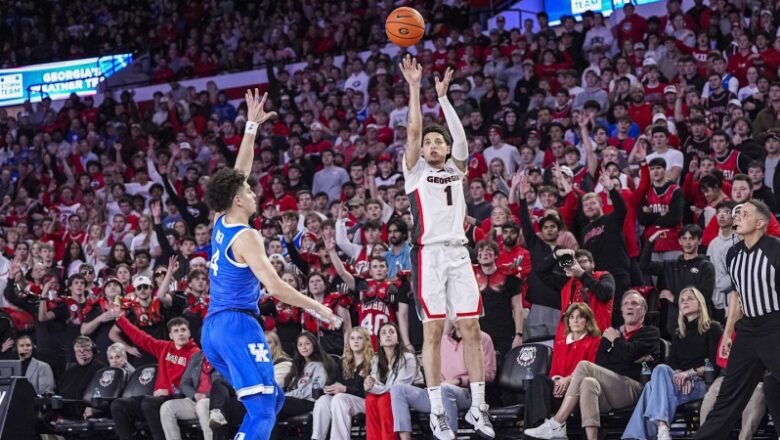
[(301, 388), (408, 373)]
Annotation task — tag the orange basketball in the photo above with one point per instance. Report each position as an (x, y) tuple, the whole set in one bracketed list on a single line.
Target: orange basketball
[(405, 26)]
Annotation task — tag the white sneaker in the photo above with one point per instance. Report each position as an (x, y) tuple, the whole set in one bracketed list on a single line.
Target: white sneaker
[(663, 433), (441, 430), (216, 419), (548, 430), (479, 418)]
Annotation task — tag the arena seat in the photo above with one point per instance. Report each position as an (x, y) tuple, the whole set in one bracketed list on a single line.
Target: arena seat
[(110, 382), (510, 375), (141, 383)]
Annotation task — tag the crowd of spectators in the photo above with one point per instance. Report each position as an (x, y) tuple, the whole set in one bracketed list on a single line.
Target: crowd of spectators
[(604, 168), (186, 40)]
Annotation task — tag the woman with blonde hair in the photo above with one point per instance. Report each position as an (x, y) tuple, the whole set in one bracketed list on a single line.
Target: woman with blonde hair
[(580, 343), (146, 238), (281, 360), (346, 397), (681, 379)]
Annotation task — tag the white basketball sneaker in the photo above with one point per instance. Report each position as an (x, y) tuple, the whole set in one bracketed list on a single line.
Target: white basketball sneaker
[(479, 418)]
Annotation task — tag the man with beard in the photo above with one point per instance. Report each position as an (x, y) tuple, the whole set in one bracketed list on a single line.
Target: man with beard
[(398, 256), (501, 298), (602, 235), (510, 252), (76, 378), (145, 312)]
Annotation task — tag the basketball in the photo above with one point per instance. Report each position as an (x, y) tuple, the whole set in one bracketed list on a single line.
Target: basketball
[(405, 26)]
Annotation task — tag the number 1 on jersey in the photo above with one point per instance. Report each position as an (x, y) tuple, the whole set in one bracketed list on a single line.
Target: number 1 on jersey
[(448, 190)]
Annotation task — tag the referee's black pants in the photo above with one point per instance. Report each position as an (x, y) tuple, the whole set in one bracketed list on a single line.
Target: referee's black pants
[(753, 352)]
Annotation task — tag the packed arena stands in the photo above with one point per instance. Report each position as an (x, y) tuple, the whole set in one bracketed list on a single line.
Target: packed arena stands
[(608, 163)]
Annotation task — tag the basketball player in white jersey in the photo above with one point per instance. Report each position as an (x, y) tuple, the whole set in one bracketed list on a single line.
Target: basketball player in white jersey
[(443, 279)]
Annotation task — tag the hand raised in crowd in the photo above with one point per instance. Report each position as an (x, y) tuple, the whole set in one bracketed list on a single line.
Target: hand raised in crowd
[(606, 181), (256, 107), (411, 70), (368, 383), (442, 85), (7, 345), (289, 225), (156, 208), (661, 233), (667, 295)]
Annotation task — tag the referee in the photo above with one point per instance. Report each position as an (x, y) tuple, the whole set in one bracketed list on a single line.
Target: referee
[(754, 266)]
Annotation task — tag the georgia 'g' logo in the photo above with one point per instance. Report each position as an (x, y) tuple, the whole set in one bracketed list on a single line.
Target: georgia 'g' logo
[(107, 378), (527, 356), (146, 376)]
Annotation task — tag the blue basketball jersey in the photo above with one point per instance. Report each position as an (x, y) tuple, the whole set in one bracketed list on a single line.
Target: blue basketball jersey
[(233, 284)]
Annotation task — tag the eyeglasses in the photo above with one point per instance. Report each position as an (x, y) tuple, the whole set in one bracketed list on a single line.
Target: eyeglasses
[(160, 274), (144, 287), (87, 271)]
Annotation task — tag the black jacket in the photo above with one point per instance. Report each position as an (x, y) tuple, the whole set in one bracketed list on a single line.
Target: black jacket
[(677, 275), (621, 355), (604, 238), (690, 351), (538, 291)]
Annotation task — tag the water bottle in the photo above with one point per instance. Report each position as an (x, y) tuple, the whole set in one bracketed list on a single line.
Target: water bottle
[(644, 376), (527, 378), (709, 372), (316, 389), (96, 397)]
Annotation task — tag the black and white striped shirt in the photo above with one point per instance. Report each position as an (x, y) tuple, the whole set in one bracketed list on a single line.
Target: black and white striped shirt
[(754, 273)]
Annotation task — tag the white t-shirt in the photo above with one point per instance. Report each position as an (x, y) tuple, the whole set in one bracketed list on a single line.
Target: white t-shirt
[(673, 158), (509, 154)]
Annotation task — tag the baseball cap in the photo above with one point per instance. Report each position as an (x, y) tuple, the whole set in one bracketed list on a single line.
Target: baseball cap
[(670, 89), (316, 126), (736, 102), (511, 225), (649, 61), (456, 88), (527, 62), (638, 46), (141, 280), (185, 146), (198, 260), (495, 128), (659, 117), (657, 162), (385, 157), (567, 171)]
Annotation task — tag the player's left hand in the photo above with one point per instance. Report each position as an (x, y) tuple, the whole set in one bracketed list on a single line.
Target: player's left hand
[(442, 85), (255, 105)]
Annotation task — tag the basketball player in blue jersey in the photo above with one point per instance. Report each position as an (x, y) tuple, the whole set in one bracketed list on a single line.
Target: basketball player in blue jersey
[(443, 279), (232, 338)]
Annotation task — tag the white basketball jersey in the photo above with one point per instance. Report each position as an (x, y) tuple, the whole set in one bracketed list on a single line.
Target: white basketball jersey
[(438, 204)]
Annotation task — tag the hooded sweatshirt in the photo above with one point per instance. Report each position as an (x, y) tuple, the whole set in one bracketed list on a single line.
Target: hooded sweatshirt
[(172, 361)]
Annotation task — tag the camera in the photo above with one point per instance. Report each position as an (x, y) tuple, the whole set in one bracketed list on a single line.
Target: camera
[(565, 261)]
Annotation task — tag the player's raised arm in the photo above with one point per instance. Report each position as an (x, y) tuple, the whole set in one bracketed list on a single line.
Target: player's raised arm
[(252, 251), (256, 116), (413, 74), (460, 146)]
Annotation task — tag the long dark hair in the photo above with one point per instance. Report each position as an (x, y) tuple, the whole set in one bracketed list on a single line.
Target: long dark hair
[(383, 366), (67, 259), (317, 355), (113, 262)]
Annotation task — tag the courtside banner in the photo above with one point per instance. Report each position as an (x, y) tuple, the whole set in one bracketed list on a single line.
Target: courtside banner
[(58, 80)]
